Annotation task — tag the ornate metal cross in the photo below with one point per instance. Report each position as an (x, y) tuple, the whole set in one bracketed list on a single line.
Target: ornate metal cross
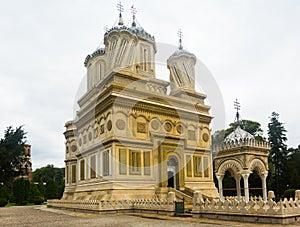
[(180, 35), (120, 7), (237, 106), (133, 10)]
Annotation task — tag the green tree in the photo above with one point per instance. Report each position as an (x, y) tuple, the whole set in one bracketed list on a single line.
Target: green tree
[(293, 166), (4, 192), (21, 188), (253, 127), (49, 172), (11, 151), (33, 192), (278, 154), (51, 190)]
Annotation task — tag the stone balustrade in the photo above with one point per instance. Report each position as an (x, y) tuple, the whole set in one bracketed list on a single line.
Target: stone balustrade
[(241, 143), (257, 210), (163, 205)]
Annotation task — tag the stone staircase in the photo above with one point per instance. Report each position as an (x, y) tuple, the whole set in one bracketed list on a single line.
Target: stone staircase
[(185, 195)]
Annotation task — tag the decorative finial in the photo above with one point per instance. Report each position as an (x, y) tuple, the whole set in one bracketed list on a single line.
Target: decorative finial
[(180, 39), (237, 106), (133, 11), (120, 9)]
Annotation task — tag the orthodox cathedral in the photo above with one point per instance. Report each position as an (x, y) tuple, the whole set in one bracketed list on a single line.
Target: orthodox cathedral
[(136, 136)]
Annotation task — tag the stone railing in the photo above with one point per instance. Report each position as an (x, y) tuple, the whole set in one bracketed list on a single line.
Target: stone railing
[(241, 143), (164, 205), (284, 212)]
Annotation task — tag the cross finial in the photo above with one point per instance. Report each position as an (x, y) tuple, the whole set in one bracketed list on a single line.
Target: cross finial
[(180, 35), (120, 9), (133, 11), (237, 106)]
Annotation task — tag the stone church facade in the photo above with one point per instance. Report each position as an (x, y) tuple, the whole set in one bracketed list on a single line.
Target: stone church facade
[(136, 136)]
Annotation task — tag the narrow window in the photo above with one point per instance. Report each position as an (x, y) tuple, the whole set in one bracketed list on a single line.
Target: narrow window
[(186, 73), (135, 162), (73, 173), (122, 50), (67, 174), (82, 166), (100, 72), (105, 163), (112, 50), (147, 163), (122, 161), (145, 60), (197, 166), (177, 75), (206, 167), (93, 167), (188, 166)]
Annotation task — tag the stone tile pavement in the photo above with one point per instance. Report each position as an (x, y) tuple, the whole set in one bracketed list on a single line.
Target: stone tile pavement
[(43, 216)]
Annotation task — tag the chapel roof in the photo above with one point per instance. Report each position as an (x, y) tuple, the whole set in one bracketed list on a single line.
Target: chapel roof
[(238, 134)]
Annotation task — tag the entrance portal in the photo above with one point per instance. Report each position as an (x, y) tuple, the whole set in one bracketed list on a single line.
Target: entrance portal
[(172, 169)]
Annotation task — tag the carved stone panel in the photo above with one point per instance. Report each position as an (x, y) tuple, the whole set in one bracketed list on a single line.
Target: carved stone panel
[(141, 127)]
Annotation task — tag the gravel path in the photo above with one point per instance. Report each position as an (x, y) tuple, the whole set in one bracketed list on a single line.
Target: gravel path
[(43, 216)]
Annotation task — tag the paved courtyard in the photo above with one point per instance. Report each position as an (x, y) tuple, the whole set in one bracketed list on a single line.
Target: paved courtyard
[(43, 216)]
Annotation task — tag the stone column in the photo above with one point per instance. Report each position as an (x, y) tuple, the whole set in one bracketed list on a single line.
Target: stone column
[(297, 195), (264, 186), (220, 184), (238, 187), (246, 185)]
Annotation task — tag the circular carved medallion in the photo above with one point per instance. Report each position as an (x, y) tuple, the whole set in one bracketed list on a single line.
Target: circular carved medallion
[(179, 129), (120, 124), (205, 137), (168, 126), (73, 148), (155, 124), (109, 125)]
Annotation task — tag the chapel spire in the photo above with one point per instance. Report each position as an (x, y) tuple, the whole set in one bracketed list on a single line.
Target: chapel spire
[(120, 9), (133, 11), (237, 106), (180, 35)]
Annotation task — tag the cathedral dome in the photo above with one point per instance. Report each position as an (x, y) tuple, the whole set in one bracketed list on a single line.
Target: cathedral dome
[(138, 31), (238, 134)]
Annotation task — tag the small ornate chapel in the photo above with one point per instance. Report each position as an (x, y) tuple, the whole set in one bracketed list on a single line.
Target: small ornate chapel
[(131, 138), (241, 154)]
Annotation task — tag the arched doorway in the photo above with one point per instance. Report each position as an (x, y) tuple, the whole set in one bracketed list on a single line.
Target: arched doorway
[(255, 183), (172, 171)]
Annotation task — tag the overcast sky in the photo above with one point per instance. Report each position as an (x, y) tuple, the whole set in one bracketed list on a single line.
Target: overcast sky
[(251, 47)]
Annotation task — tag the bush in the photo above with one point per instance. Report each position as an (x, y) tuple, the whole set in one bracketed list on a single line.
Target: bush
[(289, 193), (3, 202), (38, 200)]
